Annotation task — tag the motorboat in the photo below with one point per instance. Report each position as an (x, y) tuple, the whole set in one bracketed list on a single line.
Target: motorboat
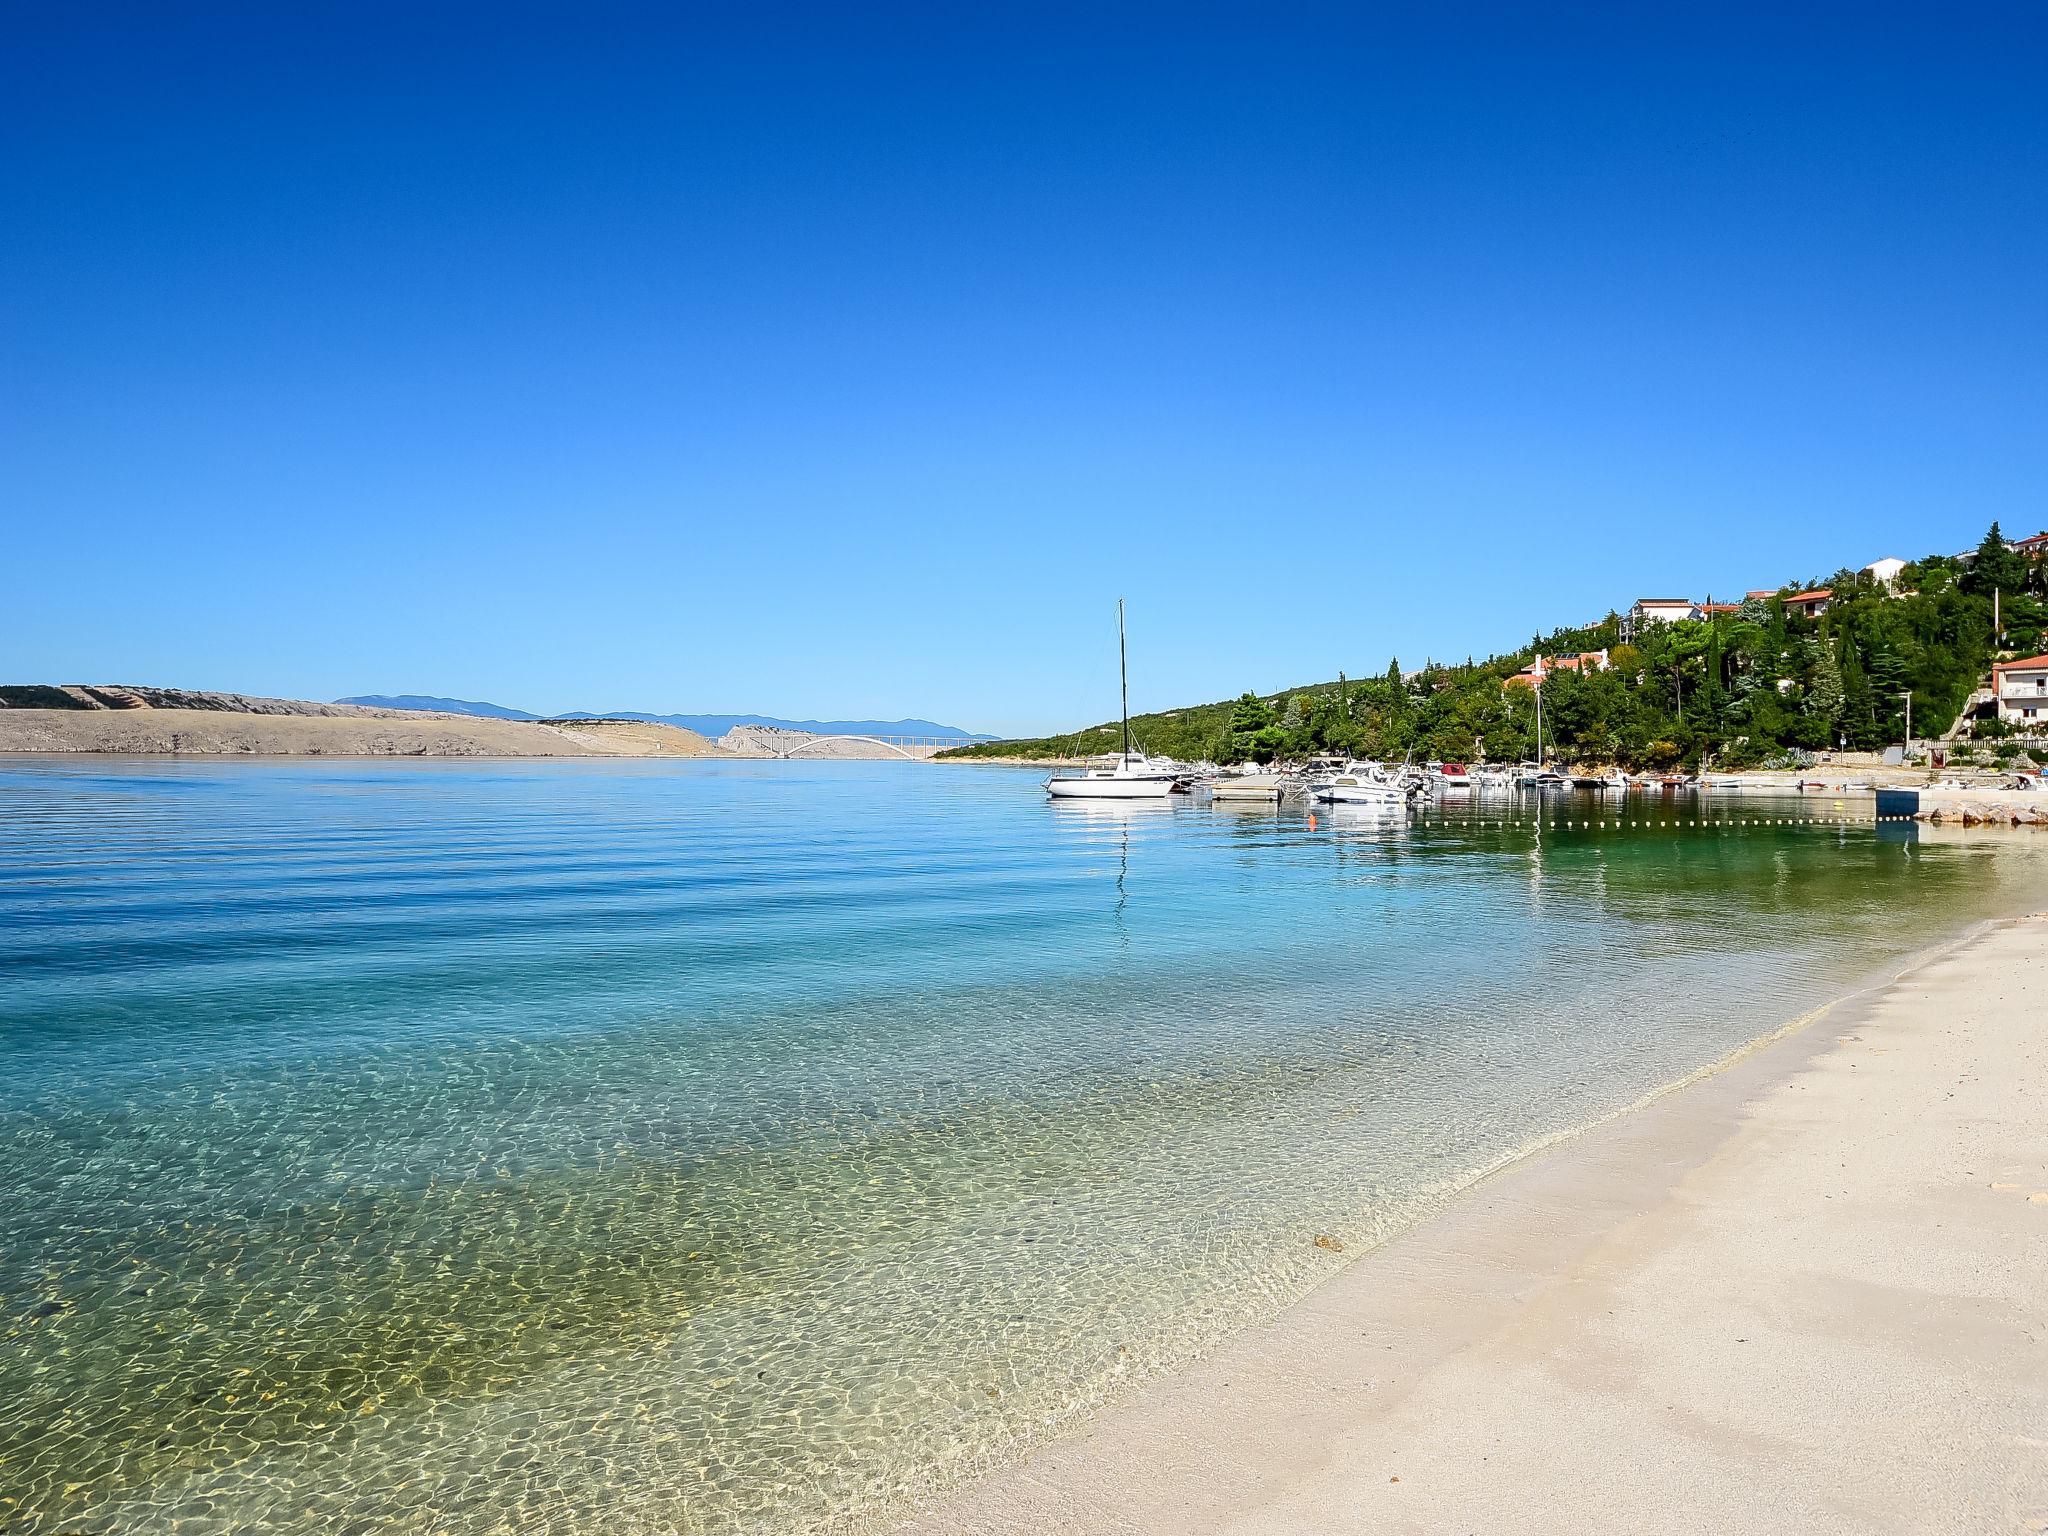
[(1323, 770), (1362, 788), (1665, 783), (1128, 775), (1452, 776), (1615, 780)]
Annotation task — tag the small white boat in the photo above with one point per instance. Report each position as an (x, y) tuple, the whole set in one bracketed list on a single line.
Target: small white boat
[(1452, 776), (1361, 789), (1127, 776), (1615, 780)]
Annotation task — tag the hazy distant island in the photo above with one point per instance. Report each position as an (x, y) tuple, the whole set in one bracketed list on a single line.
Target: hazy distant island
[(712, 726), (126, 718)]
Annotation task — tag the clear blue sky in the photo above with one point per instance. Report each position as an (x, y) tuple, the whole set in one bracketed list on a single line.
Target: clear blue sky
[(852, 360)]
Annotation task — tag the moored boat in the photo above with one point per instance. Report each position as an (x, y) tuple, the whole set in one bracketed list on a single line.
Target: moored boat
[(1128, 776), (1615, 780), (1362, 788)]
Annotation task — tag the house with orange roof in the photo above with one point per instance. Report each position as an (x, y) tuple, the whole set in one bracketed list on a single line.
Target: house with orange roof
[(1543, 666), (1810, 605)]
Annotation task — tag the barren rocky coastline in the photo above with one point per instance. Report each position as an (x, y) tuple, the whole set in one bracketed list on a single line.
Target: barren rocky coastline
[(110, 719)]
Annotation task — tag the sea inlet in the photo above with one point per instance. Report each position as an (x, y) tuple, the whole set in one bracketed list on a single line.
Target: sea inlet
[(635, 1146)]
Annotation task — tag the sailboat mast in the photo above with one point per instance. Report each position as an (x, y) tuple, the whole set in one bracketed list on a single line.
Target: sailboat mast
[(1123, 677)]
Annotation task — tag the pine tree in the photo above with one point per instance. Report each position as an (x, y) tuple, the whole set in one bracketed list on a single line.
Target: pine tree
[(1824, 686), (1888, 682), (1995, 568), (1250, 713), (1859, 711)]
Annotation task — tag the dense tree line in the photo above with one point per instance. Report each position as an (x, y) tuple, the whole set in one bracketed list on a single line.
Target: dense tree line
[(1740, 688)]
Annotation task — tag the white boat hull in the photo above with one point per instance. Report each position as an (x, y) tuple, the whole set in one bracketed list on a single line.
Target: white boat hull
[(1362, 794), (1108, 788)]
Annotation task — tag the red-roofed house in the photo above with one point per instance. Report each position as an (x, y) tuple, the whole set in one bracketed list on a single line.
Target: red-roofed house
[(1763, 596), (1543, 666), (2033, 548), (1810, 604), (2021, 691)]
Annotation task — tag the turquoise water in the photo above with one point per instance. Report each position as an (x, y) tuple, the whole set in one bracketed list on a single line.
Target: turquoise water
[(637, 1147)]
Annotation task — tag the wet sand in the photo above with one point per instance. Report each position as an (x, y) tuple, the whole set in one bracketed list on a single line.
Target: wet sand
[(1807, 1292)]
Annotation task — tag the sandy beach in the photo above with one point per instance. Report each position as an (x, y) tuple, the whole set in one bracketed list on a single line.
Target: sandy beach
[(1801, 1293)]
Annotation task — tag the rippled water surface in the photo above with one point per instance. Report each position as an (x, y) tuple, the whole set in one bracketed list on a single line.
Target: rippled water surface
[(645, 1147)]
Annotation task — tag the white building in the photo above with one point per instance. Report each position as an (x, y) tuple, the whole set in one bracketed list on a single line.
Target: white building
[(1885, 572), (2020, 689), (1657, 610)]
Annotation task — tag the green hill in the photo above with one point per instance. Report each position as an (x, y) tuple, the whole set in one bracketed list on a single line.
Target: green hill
[(1745, 686)]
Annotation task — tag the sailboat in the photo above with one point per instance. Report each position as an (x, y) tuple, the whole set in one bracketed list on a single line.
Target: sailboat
[(1538, 776), (1128, 776)]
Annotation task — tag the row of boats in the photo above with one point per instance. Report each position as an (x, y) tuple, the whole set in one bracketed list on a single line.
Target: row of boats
[(1131, 775)]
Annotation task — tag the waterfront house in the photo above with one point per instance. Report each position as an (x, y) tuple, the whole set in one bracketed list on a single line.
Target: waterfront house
[(1810, 605), (2020, 689)]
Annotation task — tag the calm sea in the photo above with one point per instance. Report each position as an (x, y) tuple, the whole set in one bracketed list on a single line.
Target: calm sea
[(647, 1147)]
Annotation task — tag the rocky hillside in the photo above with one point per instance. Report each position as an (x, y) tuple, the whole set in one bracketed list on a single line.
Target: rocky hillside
[(96, 696), (128, 719)]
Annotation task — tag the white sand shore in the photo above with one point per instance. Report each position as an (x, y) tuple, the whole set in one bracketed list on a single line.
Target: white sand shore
[(1806, 1293)]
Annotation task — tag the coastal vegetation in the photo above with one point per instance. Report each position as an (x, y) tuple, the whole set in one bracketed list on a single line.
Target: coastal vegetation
[(1743, 684)]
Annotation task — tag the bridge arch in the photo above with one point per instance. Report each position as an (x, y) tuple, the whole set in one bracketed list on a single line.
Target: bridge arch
[(815, 741)]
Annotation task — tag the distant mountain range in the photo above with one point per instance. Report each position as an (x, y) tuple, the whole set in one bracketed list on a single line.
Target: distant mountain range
[(705, 725), (444, 706)]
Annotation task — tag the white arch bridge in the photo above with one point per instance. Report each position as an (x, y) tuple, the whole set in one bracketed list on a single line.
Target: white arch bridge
[(915, 748)]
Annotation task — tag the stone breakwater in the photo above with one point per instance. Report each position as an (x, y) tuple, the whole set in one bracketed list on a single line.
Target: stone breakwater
[(1965, 807)]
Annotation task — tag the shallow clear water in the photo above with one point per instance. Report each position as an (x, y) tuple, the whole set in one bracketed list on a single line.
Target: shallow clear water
[(623, 1147)]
